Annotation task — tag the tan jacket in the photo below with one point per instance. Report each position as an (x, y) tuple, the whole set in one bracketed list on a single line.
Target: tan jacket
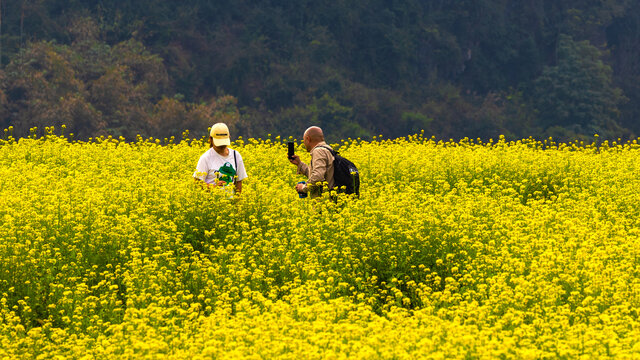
[(320, 169)]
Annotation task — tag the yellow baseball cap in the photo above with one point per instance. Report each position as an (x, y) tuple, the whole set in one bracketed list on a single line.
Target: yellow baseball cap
[(220, 134)]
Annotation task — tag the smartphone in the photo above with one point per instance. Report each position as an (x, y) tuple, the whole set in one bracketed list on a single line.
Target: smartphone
[(291, 151)]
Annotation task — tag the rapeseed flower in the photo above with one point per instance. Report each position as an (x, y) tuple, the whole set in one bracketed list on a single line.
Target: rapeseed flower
[(464, 249)]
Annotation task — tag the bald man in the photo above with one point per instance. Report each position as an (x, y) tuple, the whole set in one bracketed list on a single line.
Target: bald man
[(321, 167)]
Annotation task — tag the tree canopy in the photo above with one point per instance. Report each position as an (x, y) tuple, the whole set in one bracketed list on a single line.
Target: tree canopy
[(452, 68)]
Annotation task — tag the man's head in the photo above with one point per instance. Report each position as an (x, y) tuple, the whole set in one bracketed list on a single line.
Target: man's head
[(219, 135), (312, 137)]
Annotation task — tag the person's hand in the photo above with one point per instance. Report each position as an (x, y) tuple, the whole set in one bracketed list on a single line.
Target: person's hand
[(299, 187), (295, 160), (220, 183)]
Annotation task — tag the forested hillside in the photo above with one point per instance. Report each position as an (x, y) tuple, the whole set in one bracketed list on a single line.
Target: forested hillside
[(567, 69)]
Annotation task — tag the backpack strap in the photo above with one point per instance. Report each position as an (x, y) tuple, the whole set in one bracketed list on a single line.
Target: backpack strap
[(333, 152), (236, 161)]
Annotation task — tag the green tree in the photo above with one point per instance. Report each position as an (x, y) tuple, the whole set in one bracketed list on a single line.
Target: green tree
[(577, 92), (43, 89), (382, 59), (96, 89)]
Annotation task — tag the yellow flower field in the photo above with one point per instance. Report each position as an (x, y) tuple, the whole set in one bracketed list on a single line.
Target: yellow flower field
[(523, 250)]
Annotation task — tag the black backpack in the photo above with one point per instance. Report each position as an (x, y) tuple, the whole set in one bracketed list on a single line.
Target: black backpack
[(345, 173)]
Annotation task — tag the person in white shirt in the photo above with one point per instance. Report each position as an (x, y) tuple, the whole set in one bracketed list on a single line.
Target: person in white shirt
[(220, 165)]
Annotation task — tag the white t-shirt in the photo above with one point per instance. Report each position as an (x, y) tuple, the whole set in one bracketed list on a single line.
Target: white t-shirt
[(211, 161)]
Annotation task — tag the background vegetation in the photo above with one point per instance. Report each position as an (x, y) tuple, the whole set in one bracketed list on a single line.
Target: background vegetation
[(454, 68)]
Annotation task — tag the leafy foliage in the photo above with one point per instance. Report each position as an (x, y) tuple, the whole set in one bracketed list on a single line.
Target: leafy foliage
[(380, 59), (577, 93), (95, 89)]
